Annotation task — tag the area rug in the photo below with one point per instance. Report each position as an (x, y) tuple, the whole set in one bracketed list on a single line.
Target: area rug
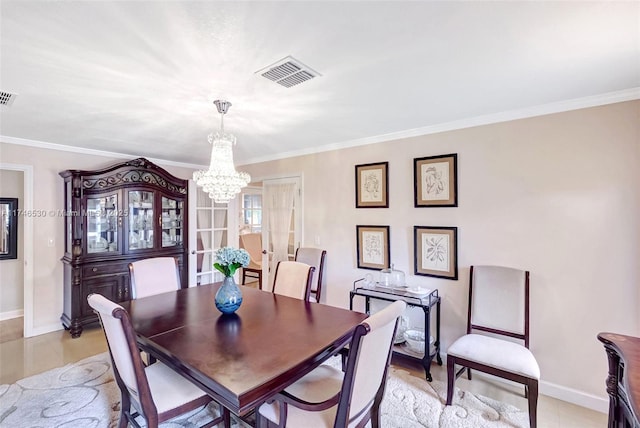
[(85, 395)]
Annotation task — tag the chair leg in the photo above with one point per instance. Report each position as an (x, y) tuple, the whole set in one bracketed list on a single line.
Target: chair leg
[(244, 275), (125, 405), (344, 354), (468, 373), (451, 378), (533, 403), (261, 421), (124, 422), (376, 422)]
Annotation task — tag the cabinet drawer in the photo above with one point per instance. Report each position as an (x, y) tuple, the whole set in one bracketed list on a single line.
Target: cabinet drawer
[(98, 269), (114, 288)]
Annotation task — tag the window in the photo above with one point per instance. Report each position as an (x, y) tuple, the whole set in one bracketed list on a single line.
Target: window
[(251, 211)]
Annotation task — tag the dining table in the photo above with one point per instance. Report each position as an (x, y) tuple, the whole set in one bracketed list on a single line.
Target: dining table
[(240, 359)]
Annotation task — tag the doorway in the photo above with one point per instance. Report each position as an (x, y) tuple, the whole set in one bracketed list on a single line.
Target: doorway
[(20, 302), (273, 208)]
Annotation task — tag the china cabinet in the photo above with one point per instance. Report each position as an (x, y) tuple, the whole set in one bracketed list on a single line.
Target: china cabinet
[(113, 216)]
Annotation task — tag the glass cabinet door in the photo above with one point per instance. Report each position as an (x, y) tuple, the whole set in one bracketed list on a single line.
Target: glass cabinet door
[(172, 224), (141, 220), (68, 224), (102, 224)]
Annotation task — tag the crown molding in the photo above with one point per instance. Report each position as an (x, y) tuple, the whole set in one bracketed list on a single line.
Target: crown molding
[(540, 110)]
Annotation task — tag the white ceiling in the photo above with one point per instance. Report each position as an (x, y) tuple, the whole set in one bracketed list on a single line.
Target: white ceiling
[(140, 77)]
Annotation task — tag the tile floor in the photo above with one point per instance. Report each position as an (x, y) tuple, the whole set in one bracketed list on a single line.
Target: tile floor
[(24, 357), (11, 329)]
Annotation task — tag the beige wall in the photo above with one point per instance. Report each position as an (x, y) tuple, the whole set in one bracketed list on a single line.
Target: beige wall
[(11, 272), (557, 195)]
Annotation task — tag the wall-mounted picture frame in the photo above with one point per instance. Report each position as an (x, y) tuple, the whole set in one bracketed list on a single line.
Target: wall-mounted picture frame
[(373, 247), (435, 182), (435, 251), (8, 228), (372, 185)]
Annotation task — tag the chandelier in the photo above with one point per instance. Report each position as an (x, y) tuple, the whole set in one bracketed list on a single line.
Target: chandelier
[(221, 181)]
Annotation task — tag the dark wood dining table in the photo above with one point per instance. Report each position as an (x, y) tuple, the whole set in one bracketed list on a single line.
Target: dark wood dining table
[(242, 359)]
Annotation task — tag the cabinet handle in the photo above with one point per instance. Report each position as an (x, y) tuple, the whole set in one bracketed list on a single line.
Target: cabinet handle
[(94, 269), (160, 221)]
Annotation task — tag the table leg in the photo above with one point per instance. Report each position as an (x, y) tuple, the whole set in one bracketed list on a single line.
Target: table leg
[(426, 360), (436, 344)]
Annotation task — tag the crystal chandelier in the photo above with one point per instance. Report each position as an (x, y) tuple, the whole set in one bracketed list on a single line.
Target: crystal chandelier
[(221, 180)]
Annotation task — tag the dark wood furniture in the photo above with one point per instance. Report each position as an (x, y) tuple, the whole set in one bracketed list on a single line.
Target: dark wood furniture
[(242, 359), (130, 211), (426, 303), (623, 381)]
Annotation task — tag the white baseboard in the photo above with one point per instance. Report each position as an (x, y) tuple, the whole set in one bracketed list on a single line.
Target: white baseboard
[(11, 314), (570, 395), (37, 331), (575, 396)]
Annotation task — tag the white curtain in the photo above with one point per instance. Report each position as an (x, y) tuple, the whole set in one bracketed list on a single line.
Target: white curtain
[(279, 202)]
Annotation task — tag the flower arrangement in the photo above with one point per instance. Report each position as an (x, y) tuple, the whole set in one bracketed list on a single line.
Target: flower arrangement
[(229, 259)]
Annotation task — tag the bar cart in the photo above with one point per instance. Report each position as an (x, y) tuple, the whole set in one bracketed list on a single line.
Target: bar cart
[(427, 301)]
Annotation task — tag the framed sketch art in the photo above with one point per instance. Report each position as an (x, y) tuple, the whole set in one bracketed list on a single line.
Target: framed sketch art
[(372, 185), (435, 181), (436, 251), (373, 247)]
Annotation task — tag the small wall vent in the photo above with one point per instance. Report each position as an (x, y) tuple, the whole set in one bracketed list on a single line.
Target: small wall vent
[(288, 72), (7, 98)]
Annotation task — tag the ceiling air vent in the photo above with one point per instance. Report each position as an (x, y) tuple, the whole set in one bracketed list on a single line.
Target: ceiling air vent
[(288, 72), (6, 98)]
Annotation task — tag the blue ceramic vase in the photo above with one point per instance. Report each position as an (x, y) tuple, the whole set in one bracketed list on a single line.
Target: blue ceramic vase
[(229, 296)]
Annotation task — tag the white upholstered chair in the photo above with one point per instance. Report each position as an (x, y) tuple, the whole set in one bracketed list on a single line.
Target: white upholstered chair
[(155, 392), (328, 398), (313, 257), (153, 276), (252, 242), (498, 306), (293, 279)]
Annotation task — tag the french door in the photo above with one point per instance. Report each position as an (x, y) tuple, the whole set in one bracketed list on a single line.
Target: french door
[(211, 226)]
